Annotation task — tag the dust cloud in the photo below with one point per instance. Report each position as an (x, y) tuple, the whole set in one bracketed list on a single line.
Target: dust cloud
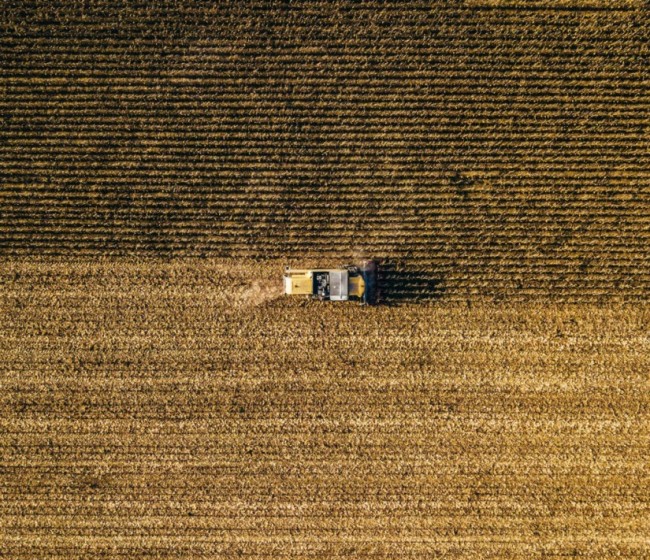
[(257, 293)]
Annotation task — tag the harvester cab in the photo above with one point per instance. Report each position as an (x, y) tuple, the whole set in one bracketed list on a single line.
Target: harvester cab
[(356, 282)]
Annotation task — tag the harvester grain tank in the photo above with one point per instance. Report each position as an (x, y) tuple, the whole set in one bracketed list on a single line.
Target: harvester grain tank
[(349, 282)]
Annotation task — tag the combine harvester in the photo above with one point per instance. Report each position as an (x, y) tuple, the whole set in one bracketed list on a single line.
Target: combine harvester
[(338, 284)]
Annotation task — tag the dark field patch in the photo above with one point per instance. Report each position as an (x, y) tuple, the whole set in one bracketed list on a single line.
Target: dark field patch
[(504, 151)]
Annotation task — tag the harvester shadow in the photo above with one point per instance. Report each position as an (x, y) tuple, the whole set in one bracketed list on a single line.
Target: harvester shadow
[(397, 284)]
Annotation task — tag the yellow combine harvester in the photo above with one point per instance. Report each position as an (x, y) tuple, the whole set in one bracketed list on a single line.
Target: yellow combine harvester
[(338, 284)]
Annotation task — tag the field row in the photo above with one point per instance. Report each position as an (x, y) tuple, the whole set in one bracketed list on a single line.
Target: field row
[(472, 187), (380, 184), (512, 230), (453, 90), (406, 275), (554, 249)]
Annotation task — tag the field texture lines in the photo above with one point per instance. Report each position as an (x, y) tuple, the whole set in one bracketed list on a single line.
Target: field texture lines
[(162, 161), (188, 410), (503, 145)]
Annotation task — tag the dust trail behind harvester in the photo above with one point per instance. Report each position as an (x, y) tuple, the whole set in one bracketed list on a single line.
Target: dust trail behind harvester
[(257, 293), (239, 286)]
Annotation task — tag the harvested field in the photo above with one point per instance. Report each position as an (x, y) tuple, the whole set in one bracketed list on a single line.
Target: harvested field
[(185, 409)]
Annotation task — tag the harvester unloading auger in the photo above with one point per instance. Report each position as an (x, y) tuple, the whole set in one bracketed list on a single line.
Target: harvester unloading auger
[(357, 282)]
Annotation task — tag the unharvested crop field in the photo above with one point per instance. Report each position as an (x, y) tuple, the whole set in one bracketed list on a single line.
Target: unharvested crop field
[(185, 409), (501, 146), (161, 161)]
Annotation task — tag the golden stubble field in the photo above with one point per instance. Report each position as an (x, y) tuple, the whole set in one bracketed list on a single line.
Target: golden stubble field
[(185, 409)]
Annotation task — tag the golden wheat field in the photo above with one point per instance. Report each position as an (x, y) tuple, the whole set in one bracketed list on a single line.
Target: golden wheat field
[(161, 162)]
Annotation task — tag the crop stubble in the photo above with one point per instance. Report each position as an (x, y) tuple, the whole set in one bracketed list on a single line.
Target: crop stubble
[(146, 415)]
